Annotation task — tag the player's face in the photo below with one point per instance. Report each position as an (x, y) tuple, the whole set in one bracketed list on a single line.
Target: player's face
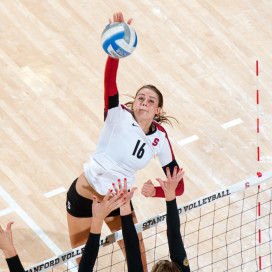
[(145, 105)]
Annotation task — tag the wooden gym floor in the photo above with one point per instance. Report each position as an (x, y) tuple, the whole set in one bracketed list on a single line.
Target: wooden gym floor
[(200, 54)]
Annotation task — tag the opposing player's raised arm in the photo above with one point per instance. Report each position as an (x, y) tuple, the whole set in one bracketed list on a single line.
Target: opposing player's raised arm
[(175, 243), (100, 210), (131, 239), (176, 246), (9, 251)]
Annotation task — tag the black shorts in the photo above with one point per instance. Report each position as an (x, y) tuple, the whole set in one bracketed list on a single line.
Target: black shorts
[(79, 206)]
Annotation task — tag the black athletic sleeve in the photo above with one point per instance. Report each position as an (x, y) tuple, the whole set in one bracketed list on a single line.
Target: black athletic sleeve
[(90, 253), (180, 187), (15, 264), (176, 247), (132, 246)]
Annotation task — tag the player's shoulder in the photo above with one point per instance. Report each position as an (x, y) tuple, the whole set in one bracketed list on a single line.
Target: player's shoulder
[(127, 113), (159, 127), (118, 114), (125, 108), (122, 109)]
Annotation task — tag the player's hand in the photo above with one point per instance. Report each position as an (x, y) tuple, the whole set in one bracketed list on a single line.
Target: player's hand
[(148, 189), (169, 186), (126, 196), (118, 17), (6, 242), (101, 209), (107, 205)]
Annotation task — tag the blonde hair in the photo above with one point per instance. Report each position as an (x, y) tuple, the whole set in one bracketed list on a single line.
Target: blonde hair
[(161, 117)]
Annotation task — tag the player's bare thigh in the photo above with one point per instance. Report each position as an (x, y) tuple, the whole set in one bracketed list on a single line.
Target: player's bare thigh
[(79, 229)]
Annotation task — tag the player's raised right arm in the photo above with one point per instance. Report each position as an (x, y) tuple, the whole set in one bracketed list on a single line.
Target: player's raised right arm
[(111, 97)]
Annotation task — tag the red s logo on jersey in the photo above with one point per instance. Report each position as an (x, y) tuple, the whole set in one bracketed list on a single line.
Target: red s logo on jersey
[(156, 140)]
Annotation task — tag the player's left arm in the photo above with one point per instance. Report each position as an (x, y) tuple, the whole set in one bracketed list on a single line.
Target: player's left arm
[(180, 188), (167, 160)]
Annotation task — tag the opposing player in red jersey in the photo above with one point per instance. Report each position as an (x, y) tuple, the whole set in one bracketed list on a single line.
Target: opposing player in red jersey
[(130, 138)]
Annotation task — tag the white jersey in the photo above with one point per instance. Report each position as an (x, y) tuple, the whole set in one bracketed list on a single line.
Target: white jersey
[(123, 149)]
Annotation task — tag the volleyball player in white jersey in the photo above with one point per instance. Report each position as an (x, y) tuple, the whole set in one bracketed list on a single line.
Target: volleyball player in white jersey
[(128, 141)]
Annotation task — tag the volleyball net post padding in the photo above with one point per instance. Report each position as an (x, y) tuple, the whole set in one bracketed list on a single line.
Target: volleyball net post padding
[(194, 243)]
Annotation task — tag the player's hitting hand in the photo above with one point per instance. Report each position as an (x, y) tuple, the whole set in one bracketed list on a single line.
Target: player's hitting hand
[(119, 18)]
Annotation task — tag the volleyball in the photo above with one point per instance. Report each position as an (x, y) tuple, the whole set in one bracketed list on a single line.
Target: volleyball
[(119, 40)]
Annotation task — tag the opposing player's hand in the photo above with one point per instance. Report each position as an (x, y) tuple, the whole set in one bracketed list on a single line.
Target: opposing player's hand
[(126, 196), (169, 186), (101, 209), (107, 205), (118, 17), (6, 242), (148, 189)]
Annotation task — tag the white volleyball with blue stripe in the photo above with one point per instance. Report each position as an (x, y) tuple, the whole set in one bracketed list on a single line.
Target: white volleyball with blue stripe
[(119, 40)]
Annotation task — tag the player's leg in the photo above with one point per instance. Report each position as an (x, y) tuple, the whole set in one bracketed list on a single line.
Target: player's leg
[(79, 217), (79, 230)]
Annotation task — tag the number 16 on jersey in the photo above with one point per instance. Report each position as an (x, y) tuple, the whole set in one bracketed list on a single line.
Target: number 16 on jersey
[(140, 151)]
